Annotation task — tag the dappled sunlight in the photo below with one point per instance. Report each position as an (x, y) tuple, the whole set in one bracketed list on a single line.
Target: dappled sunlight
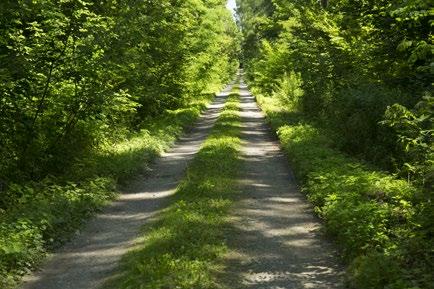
[(93, 253), (275, 241), (179, 248), (145, 195)]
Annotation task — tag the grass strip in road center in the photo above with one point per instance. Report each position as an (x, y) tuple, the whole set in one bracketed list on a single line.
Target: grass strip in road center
[(181, 249)]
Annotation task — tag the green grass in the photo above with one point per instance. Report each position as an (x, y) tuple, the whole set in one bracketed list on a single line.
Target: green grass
[(45, 214), (182, 247), (123, 159), (376, 219)]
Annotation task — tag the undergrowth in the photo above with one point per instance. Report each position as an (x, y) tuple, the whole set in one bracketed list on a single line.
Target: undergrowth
[(380, 222), (180, 249), (48, 212)]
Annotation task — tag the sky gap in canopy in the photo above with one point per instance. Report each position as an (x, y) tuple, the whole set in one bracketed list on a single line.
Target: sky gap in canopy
[(231, 5)]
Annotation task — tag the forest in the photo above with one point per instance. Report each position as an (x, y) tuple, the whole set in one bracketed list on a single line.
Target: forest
[(89, 91), (92, 92), (347, 85)]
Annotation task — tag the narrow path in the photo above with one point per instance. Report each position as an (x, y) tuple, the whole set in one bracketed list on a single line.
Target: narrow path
[(91, 258), (275, 240)]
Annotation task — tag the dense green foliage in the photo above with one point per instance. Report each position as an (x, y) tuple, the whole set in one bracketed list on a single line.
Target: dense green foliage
[(182, 247), (76, 72), (354, 78), (44, 214), (90, 91), (363, 68), (382, 224)]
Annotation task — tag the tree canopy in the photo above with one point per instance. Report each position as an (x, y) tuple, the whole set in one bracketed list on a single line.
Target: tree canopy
[(365, 68), (75, 72), (353, 81)]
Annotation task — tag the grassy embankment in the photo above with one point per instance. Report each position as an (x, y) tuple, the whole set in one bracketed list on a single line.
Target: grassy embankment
[(50, 211), (181, 249), (374, 217)]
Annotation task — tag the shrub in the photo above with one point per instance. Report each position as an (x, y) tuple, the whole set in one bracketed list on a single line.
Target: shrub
[(379, 222)]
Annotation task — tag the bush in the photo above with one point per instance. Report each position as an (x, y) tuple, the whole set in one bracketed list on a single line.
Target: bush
[(413, 129), (378, 221), (39, 216), (289, 90), (44, 217), (21, 246)]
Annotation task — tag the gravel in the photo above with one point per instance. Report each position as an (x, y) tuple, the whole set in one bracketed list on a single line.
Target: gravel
[(275, 240), (92, 256)]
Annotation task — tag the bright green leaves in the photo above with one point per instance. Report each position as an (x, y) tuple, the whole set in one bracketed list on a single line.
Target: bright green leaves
[(414, 132), (77, 74), (289, 90), (353, 71), (379, 222), (42, 215), (71, 68), (354, 59)]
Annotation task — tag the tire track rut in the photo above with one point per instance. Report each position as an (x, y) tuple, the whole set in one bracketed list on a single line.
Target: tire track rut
[(92, 257), (275, 240)]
